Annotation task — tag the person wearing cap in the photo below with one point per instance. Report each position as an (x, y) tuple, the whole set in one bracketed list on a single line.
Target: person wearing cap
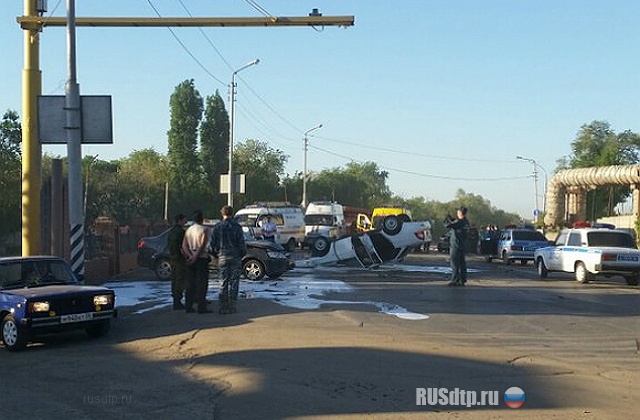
[(178, 262), (459, 227)]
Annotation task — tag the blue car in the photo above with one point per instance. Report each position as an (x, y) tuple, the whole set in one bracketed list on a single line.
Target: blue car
[(41, 295), (513, 244)]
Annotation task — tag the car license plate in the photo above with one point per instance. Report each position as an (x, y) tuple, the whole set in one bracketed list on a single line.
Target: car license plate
[(65, 319), (530, 248), (627, 258)]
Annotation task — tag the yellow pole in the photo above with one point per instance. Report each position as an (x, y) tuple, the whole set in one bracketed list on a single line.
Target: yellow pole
[(31, 148)]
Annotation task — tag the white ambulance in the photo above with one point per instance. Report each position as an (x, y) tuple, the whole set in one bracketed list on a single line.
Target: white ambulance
[(324, 221), (289, 220)]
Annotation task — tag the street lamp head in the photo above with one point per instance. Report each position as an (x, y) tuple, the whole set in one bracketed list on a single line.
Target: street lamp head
[(252, 63), (313, 129)]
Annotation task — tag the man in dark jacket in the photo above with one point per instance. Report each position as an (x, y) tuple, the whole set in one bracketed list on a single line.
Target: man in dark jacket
[(458, 236), (228, 244), (178, 263)]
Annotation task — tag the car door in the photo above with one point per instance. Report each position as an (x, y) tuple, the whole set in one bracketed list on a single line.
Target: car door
[(571, 252), (553, 260)]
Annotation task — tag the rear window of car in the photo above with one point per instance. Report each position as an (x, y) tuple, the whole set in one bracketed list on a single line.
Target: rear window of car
[(619, 239), (528, 235)]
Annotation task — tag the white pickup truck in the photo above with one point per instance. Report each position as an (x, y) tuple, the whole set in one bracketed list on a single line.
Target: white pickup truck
[(591, 251)]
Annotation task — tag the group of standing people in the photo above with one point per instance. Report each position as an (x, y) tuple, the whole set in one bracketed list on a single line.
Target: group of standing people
[(190, 251)]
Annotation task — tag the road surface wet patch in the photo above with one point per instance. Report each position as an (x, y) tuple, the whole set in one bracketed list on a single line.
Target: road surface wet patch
[(302, 291)]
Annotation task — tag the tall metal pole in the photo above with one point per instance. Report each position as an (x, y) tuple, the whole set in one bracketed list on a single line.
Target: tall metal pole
[(304, 172), (74, 147), (232, 101), (535, 189), (232, 113), (31, 148), (166, 201), (535, 184)]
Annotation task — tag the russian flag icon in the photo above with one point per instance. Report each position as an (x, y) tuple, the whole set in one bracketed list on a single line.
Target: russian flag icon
[(514, 397)]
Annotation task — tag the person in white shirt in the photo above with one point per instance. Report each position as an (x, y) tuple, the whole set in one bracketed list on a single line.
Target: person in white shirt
[(269, 228), (194, 248)]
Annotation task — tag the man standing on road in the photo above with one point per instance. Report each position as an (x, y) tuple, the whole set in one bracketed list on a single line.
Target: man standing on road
[(194, 246), (269, 228), (178, 262), (458, 236), (228, 243)]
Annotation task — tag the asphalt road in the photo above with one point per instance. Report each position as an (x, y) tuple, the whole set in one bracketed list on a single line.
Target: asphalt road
[(573, 350)]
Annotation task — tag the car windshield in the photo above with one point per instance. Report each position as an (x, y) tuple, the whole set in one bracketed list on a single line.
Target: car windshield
[(318, 220), (528, 235), (611, 238), (32, 273)]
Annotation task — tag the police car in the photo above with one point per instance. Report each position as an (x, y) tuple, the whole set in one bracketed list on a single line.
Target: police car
[(589, 251)]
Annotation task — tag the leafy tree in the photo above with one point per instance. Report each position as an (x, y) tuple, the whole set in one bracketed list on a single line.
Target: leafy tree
[(375, 191), (361, 185), (481, 211), (596, 144), (10, 172), (141, 182), (214, 146), (104, 196), (186, 179), (263, 167)]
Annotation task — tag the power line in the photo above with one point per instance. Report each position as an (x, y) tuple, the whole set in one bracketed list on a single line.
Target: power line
[(413, 153), (224, 60), (259, 8), (186, 49), (450, 178)]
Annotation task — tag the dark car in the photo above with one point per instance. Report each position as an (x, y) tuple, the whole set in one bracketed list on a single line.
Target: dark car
[(264, 258), (41, 295), (471, 244)]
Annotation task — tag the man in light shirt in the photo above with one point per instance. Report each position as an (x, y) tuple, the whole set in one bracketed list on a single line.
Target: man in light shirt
[(194, 247), (269, 228)]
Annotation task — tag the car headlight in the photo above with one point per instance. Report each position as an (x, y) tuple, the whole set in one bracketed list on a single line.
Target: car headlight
[(102, 300), (276, 254), (42, 306)]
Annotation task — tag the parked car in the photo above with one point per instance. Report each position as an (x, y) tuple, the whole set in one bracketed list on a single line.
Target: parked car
[(264, 258), (41, 295), (588, 252), (471, 244), (443, 243), (513, 244)]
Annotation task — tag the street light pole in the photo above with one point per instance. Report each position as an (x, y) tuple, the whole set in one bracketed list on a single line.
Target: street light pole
[(232, 100), (536, 165), (304, 172), (74, 147)]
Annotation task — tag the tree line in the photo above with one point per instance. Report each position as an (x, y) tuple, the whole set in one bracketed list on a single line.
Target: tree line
[(187, 177)]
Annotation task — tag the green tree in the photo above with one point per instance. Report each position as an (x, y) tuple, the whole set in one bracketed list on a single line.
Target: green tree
[(10, 172), (214, 146), (263, 167), (186, 179), (596, 144), (141, 182), (375, 190), (356, 184)]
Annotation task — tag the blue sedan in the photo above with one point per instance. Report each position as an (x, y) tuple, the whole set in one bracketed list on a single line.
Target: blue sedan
[(41, 295)]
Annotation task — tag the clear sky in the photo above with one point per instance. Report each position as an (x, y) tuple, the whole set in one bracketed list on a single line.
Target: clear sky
[(441, 94)]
